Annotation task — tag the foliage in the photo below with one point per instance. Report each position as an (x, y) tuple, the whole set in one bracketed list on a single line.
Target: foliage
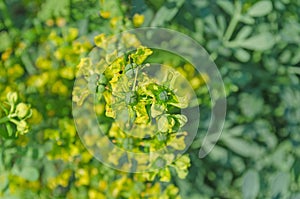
[(255, 45)]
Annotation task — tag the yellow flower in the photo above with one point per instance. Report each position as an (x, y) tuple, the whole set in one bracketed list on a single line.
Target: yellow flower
[(38, 81), (43, 63), (138, 20), (15, 71), (94, 194), (102, 185), (50, 22), (115, 21), (86, 156), (77, 47), (73, 33), (83, 177), (67, 73), (6, 54), (36, 117), (59, 88), (60, 22), (105, 14), (99, 39)]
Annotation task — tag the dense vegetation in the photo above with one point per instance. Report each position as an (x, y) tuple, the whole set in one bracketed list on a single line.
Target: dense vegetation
[(43, 46)]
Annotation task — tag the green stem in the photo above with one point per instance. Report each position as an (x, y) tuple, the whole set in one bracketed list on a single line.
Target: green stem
[(234, 21), (135, 79)]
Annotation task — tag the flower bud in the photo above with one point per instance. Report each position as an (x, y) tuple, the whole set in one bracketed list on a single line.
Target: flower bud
[(22, 110), (12, 97), (22, 127)]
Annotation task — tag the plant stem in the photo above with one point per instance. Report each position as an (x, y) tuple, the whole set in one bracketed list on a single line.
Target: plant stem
[(135, 79), (234, 21)]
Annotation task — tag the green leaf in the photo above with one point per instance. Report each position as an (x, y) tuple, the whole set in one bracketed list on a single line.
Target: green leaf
[(251, 184), (167, 12), (250, 105), (5, 41), (262, 41), (242, 147), (261, 8), (242, 55), (9, 129), (54, 8), (247, 19), (227, 6), (29, 173), (280, 184), (244, 33), (3, 181)]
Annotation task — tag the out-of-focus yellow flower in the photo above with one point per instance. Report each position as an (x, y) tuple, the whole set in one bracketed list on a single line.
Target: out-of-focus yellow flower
[(22, 141), (86, 156), (55, 38), (43, 63), (59, 53), (114, 22), (99, 39), (82, 177), (20, 48), (102, 185), (59, 88), (60, 22), (15, 182), (36, 117), (51, 134), (50, 22), (62, 180), (74, 150), (15, 71), (78, 47), (72, 34), (67, 73), (94, 194), (105, 14), (6, 54), (38, 81), (138, 20)]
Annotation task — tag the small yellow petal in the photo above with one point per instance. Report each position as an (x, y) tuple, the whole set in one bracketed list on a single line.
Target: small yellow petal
[(138, 20)]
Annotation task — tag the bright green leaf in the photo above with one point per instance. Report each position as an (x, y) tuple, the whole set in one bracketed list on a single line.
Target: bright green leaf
[(242, 55), (250, 184), (29, 173), (261, 8), (262, 41), (280, 184), (242, 147)]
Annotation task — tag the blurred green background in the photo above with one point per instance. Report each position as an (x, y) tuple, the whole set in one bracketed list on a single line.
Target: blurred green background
[(256, 46)]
